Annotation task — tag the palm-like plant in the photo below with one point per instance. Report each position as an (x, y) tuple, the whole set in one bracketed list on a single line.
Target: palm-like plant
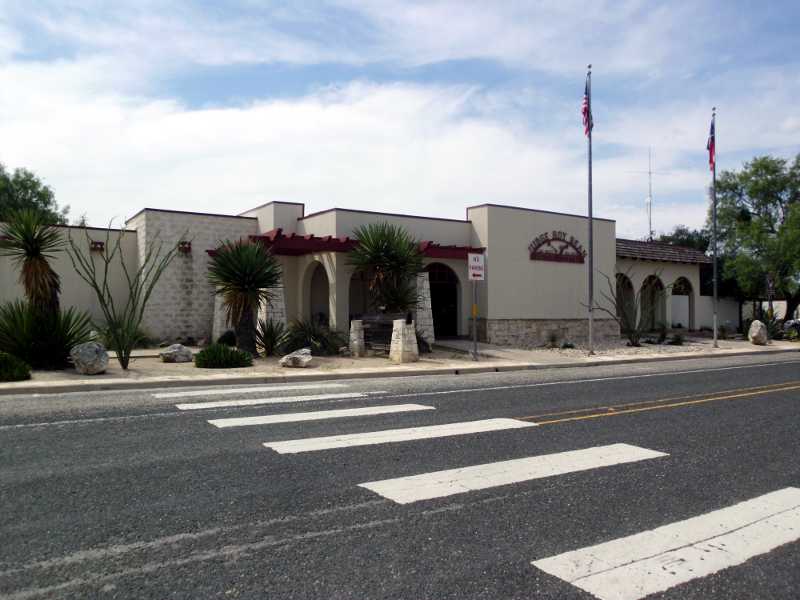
[(244, 273), (31, 243), (390, 258)]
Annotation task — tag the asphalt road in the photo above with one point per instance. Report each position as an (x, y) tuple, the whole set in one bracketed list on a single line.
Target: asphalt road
[(124, 495)]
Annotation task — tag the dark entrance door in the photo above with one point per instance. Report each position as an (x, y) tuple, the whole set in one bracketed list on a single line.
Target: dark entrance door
[(444, 300)]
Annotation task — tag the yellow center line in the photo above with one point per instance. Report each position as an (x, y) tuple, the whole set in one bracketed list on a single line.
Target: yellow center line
[(622, 409)]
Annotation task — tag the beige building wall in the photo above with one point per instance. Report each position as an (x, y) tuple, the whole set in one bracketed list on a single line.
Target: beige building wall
[(182, 303), (74, 291), (526, 301)]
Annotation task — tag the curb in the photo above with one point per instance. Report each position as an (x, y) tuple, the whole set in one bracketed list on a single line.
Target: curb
[(301, 377)]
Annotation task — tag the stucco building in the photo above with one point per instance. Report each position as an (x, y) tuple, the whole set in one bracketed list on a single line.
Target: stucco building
[(535, 287)]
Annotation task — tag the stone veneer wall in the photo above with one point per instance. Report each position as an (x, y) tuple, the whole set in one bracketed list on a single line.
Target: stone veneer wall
[(529, 333), (182, 303)]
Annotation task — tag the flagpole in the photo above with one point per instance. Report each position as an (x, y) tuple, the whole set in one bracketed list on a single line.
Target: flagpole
[(714, 217), (591, 225)]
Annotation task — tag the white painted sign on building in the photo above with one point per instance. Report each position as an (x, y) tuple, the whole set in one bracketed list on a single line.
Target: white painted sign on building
[(477, 267)]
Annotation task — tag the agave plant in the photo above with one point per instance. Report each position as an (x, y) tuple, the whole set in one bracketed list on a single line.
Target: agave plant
[(31, 243), (390, 259), (271, 336), (244, 273)]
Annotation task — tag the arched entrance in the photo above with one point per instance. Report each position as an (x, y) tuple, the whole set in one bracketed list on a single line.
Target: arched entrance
[(626, 302), (319, 292), (654, 309), (444, 300), (359, 296), (682, 303)]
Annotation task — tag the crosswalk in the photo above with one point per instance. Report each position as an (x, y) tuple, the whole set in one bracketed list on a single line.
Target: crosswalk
[(627, 568)]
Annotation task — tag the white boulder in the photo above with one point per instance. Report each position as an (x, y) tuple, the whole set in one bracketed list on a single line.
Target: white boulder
[(757, 333), (90, 358), (176, 353), (298, 359)]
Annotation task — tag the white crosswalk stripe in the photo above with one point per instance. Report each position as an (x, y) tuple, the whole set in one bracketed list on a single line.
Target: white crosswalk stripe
[(439, 484), (318, 415), (653, 561), (224, 391), (275, 400), (394, 435)]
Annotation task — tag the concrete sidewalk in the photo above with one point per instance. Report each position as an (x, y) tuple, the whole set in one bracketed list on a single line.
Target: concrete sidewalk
[(449, 358)]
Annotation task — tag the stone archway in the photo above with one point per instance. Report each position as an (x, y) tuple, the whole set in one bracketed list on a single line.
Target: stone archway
[(653, 301), (359, 297), (318, 289), (445, 300), (682, 300), (626, 302)]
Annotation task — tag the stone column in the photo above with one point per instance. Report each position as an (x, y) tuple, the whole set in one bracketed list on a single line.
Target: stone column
[(404, 342), (357, 346), (275, 310), (220, 323), (424, 312)]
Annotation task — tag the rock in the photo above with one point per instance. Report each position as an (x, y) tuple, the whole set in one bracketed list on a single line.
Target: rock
[(90, 358), (299, 359), (344, 351), (164, 344), (757, 333), (176, 353)]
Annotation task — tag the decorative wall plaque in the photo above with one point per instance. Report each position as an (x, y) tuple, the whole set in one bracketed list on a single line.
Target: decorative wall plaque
[(557, 246)]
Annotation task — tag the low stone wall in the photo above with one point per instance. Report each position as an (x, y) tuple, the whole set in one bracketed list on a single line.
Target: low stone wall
[(528, 333)]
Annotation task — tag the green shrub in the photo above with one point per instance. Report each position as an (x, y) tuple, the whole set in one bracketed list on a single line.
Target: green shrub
[(792, 335), (307, 334), (676, 340), (271, 336), (41, 339), (12, 368), (219, 356), (227, 339), (105, 338)]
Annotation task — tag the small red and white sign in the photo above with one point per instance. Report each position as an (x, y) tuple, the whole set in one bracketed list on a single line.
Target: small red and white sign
[(476, 266)]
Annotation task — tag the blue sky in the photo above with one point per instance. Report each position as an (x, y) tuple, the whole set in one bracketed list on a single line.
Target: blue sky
[(399, 106)]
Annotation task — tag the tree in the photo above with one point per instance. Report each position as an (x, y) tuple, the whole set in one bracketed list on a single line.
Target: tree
[(22, 190), (390, 259), (758, 213), (681, 235), (123, 319), (31, 243), (244, 273)]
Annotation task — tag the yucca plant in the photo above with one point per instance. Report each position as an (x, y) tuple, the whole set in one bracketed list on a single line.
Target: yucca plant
[(271, 336), (309, 334), (41, 339), (244, 274), (390, 258), (31, 243)]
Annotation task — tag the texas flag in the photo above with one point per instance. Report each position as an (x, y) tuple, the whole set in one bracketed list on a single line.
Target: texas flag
[(711, 147)]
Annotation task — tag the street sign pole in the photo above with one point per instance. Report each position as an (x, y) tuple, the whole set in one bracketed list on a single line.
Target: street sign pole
[(476, 267)]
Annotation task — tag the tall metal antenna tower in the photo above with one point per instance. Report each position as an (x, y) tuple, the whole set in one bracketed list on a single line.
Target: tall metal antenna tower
[(649, 200)]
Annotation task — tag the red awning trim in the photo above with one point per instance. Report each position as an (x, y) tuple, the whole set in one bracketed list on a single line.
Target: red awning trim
[(298, 245)]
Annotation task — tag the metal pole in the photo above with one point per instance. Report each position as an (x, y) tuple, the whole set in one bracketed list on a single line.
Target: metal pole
[(714, 218), (591, 226), (474, 320)]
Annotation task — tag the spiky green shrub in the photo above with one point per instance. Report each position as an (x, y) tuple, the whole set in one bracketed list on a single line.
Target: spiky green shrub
[(390, 258), (308, 334), (244, 273), (271, 336), (12, 368), (219, 356), (41, 339)]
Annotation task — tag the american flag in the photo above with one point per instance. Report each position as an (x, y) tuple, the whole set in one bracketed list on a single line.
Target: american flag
[(711, 147), (586, 109)]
